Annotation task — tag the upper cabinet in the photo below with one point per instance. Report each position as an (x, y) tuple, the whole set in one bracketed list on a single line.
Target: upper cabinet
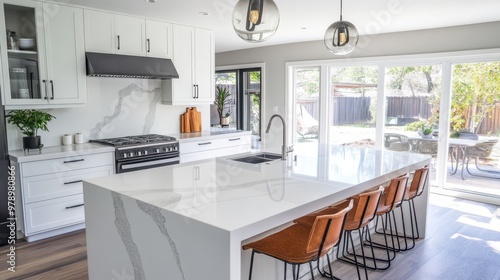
[(43, 55), (109, 33), (193, 57)]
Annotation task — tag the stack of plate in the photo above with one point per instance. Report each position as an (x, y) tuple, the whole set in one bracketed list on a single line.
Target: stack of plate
[(26, 43)]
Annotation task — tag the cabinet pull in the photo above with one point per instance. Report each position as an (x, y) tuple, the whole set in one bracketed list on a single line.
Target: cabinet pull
[(206, 143), (194, 91), (74, 206), (73, 182), (149, 45), (75, 160), (45, 85), (118, 41), (52, 87), (197, 91), (197, 173), (234, 139)]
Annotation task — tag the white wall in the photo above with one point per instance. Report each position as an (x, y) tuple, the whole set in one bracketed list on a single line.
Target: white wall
[(470, 37), (115, 107)]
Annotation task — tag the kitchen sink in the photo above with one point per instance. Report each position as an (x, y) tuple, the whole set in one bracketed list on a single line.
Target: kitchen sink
[(258, 158)]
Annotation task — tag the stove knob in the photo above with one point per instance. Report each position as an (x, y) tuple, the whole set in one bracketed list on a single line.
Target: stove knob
[(156, 150), (130, 154), (176, 148), (145, 152), (138, 153), (124, 155)]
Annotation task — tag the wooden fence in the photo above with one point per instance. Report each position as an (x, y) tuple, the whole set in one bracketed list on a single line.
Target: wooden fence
[(352, 110)]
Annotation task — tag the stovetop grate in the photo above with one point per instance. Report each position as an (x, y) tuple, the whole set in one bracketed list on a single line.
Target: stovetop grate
[(135, 140)]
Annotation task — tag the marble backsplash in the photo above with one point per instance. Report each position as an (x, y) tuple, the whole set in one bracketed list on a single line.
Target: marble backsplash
[(115, 107)]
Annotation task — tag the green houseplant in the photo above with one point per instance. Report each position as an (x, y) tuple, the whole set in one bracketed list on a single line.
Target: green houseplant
[(426, 131), (222, 99), (29, 121)]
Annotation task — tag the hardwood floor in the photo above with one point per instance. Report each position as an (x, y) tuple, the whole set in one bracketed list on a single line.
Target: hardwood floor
[(463, 243)]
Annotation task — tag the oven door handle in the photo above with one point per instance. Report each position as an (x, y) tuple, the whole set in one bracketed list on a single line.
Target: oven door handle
[(148, 163)]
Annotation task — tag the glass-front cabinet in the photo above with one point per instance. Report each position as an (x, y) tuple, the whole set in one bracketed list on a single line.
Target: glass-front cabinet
[(42, 54)]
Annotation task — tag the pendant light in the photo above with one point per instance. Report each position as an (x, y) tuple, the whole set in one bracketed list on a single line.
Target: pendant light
[(341, 37), (255, 20)]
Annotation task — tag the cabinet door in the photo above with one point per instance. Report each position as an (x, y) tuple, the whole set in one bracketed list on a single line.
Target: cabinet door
[(183, 88), (23, 65), (130, 35), (99, 32), (65, 54), (158, 39), (204, 61)]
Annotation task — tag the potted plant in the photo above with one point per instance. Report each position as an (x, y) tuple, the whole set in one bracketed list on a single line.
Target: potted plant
[(427, 132), (29, 121), (222, 99)]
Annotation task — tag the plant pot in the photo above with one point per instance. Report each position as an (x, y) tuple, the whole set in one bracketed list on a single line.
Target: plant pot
[(224, 121), (427, 136), (32, 143)]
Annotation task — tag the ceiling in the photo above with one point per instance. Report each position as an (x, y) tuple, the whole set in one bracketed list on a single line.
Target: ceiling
[(307, 20)]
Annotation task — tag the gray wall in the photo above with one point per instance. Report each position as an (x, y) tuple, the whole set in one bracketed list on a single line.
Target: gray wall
[(469, 37)]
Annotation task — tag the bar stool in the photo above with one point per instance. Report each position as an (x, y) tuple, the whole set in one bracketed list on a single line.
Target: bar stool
[(416, 189), (300, 243), (364, 209), (391, 198)]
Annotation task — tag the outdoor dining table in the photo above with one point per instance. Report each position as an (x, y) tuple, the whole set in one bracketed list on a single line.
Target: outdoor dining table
[(457, 144)]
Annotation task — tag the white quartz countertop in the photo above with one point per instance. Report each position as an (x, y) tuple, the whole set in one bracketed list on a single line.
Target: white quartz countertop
[(234, 196), (209, 135), (45, 153)]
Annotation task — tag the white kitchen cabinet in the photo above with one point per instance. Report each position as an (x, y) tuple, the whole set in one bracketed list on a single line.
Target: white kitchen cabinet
[(211, 148), (193, 57), (118, 34), (131, 35), (51, 74), (196, 180), (51, 192), (158, 39)]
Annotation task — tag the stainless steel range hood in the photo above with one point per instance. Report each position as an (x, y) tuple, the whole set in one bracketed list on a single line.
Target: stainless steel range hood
[(126, 66)]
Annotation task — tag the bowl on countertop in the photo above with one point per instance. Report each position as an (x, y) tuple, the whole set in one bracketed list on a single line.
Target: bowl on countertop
[(26, 43)]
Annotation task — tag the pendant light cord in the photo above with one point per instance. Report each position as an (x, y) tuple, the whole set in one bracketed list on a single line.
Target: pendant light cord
[(340, 10)]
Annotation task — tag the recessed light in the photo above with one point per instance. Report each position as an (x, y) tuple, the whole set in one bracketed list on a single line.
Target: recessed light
[(303, 28), (151, 1), (204, 13)]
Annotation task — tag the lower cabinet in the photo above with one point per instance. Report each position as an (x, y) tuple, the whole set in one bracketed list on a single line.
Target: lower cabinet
[(205, 149), (51, 193)]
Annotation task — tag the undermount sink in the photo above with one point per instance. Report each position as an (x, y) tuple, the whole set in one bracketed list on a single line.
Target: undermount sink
[(258, 158)]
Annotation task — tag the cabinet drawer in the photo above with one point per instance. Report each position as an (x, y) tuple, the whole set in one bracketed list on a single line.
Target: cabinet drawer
[(207, 145), (54, 213), (69, 163), (188, 157), (48, 186)]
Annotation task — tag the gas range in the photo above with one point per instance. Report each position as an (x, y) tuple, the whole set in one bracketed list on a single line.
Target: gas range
[(142, 151)]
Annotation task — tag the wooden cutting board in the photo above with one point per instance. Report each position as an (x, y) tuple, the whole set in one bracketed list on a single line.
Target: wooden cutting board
[(191, 120)]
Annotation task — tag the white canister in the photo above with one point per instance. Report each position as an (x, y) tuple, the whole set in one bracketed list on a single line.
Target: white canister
[(78, 138), (67, 139)]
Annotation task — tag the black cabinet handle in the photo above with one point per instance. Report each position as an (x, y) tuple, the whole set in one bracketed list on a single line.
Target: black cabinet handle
[(194, 91), (74, 206), (206, 143), (234, 139), (73, 182), (149, 45), (75, 160), (118, 41), (45, 85), (52, 87)]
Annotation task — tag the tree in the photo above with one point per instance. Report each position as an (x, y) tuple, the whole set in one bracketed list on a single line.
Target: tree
[(476, 90)]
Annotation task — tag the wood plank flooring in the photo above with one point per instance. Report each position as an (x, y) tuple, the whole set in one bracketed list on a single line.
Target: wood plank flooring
[(463, 243)]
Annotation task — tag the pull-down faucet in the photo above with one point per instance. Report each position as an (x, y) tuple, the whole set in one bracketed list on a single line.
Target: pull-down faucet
[(284, 149)]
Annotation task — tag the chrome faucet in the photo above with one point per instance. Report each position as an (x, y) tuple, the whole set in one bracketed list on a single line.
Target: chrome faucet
[(284, 149)]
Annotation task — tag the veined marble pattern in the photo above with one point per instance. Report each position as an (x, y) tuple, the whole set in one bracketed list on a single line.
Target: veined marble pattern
[(125, 232), (125, 92), (160, 220)]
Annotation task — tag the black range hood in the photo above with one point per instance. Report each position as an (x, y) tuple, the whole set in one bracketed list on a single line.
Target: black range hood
[(126, 66)]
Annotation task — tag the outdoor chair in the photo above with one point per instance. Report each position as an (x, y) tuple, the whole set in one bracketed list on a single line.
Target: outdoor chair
[(396, 142), (480, 150), (424, 146)]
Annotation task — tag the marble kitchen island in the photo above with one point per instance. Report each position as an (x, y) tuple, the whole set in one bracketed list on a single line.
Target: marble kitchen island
[(188, 221)]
